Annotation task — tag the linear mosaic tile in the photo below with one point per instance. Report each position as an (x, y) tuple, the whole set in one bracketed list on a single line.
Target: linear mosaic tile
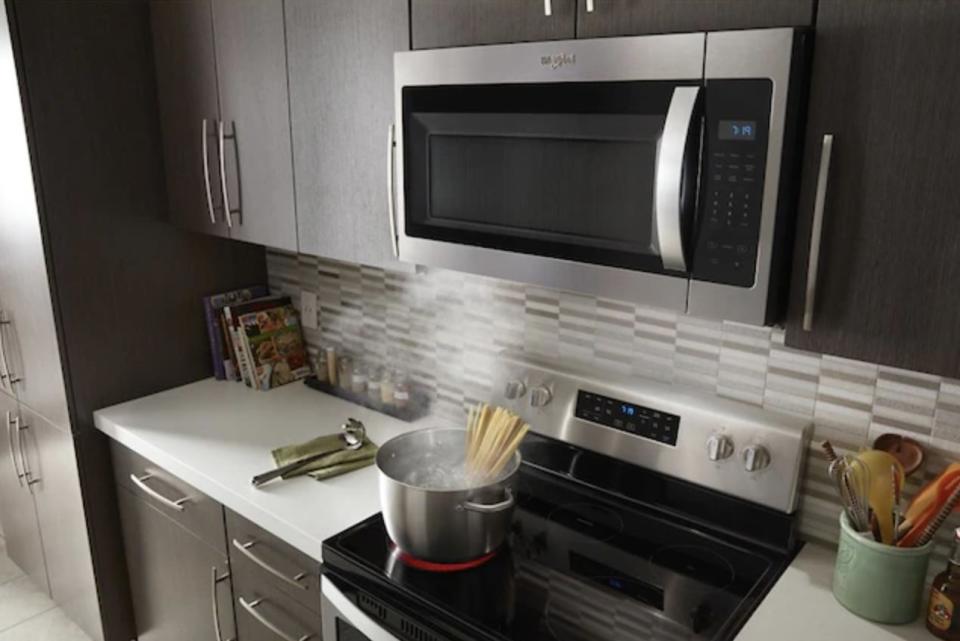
[(447, 329)]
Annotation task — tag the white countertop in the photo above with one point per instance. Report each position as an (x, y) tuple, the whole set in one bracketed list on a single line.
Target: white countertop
[(216, 435)]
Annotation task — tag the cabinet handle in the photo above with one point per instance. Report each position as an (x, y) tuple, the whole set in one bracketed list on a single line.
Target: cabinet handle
[(206, 170), (244, 548), (392, 188), (251, 608), (816, 232), (590, 6), (214, 582), (140, 481), (13, 450), (548, 7), (223, 175), (8, 372), (24, 461)]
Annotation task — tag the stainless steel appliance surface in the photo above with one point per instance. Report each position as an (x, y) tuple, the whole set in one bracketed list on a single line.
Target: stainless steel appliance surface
[(657, 169), (643, 511), (429, 509)]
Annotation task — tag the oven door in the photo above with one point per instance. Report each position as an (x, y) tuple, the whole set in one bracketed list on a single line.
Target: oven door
[(571, 164), (344, 621)]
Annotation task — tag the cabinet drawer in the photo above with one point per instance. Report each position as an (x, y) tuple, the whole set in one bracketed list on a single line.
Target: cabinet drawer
[(270, 561), (192, 509), (266, 613)]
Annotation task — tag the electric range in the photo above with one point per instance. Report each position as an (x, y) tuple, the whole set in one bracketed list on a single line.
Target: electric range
[(615, 534)]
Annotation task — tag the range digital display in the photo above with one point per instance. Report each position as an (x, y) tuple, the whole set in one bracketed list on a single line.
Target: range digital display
[(738, 130), (628, 417)]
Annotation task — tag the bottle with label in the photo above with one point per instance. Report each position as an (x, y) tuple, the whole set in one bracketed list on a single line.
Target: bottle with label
[(943, 617)]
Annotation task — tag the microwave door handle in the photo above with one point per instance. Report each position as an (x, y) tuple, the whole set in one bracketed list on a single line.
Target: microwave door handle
[(669, 183)]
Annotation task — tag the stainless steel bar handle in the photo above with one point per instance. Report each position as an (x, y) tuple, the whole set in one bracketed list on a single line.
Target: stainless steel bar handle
[(590, 6), (294, 580), (669, 183), (816, 232), (206, 170), (7, 373), (548, 7), (13, 451), (251, 608), (175, 504), (392, 188), (28, 476), (214, 582), (223, 175), (352, 614)]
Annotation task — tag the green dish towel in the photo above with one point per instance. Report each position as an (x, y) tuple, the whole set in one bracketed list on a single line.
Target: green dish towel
[(333, 464)]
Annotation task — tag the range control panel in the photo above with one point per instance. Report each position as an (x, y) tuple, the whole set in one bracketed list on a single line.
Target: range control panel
[(731, 207), (647, 422)]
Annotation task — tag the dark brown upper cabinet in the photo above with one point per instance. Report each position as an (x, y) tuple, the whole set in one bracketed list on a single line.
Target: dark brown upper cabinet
[(224, 110), (454, 23), (879, 203), (597, 18)]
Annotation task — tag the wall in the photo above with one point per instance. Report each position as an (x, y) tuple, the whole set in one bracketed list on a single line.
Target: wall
[(447, 327)]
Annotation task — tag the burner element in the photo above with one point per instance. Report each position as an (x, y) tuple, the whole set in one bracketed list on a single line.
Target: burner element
[(432, 566), (597, 521)]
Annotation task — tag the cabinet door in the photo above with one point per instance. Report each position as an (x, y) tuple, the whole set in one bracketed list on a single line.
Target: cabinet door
[(636, 17), (341, 103), (177, 581), (265, 613), (18, 515), (454, 23), (183, 52), (254, 106), (52, 465), (884, 85), (29, 349)]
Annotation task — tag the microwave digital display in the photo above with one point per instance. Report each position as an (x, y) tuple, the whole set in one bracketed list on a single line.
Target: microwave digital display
[(738, 130)]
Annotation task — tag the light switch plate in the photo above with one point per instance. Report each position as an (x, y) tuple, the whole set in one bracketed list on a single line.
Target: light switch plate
[(308, 309)]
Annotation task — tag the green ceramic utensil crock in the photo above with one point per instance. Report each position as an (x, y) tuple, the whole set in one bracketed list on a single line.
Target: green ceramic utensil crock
[(879, 582)]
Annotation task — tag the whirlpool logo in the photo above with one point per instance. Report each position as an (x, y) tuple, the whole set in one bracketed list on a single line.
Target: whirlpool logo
[(559, 60)]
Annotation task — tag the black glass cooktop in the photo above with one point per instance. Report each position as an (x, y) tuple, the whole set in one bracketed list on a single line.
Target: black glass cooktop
[(581, 564)]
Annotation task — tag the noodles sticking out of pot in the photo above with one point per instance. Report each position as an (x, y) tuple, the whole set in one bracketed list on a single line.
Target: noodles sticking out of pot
[(493, 435)]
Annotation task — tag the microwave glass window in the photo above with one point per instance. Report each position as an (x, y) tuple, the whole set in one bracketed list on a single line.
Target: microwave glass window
[(738, 130), (577, 183)]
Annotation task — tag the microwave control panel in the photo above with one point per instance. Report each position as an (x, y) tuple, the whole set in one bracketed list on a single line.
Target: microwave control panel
[(734, 161)]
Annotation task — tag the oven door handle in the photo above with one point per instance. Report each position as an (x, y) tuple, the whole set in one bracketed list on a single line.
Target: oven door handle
[(669, 184), (352, 614)]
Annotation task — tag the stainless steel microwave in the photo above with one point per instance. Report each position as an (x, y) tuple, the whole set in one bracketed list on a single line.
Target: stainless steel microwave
[(655, 169)]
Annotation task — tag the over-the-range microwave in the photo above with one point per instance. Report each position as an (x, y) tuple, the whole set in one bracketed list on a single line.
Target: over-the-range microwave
[(655, 169)]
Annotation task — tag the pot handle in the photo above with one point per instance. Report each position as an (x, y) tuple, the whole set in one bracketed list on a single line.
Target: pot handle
[(505, 504)]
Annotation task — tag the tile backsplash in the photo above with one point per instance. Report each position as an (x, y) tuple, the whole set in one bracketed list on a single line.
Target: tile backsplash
[(446, 329)]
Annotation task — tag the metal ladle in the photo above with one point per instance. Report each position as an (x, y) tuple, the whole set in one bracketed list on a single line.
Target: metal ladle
[(352, 433)]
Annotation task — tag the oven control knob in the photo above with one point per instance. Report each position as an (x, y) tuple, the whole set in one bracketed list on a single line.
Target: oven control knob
[(755, 458), (719, 447), (515, 389), (540, 396)]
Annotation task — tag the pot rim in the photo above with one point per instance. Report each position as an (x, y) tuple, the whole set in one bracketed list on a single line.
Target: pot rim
[(517, 459)]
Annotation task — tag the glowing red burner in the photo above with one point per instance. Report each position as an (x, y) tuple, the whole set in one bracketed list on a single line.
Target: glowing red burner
[(432, 566)]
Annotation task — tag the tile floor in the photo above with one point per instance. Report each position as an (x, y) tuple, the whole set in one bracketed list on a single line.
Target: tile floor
[(26, 613)]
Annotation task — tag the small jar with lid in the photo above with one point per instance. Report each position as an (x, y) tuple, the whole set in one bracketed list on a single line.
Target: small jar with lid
[(401, 389), (374, 384), (386, 389), (320, 370), (330, 361), (358, 382)]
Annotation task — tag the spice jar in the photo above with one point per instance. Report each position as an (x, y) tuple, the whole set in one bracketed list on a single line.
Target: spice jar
[(345, 372), (330, 352), (374, 382), (401, 390), (320, 369), (386, 389)]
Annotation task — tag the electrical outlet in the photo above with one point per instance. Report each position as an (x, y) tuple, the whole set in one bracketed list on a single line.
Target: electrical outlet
[(308, 309)]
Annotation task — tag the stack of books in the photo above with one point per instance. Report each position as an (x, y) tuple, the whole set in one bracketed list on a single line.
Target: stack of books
[(255, 338)]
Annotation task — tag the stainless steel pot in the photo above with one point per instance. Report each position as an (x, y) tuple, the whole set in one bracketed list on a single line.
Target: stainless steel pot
[(441, 525)]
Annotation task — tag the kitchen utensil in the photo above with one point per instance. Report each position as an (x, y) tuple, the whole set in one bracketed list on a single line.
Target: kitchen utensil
[(431, 509), (879, 582), (493, 435), (879, 496), (853, 484), (897, 491), (352, 433), (927, 504), (904, 449), (938, 520)]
